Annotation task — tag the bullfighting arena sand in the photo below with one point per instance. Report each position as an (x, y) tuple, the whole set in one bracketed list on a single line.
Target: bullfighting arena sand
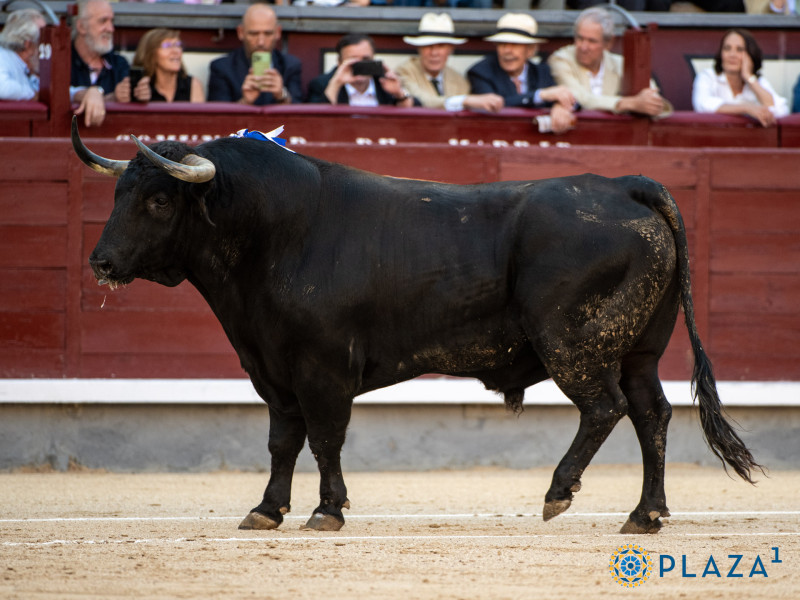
[(436, 535)]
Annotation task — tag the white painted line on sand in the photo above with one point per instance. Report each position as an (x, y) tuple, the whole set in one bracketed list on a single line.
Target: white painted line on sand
[(377, 538), (388, 517)]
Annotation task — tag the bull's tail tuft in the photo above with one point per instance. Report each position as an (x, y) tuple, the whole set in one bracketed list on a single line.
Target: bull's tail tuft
[(720, 436)]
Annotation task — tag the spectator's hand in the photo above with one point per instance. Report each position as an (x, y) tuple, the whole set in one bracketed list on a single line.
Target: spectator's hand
[(747, 67), (122, 91), (251, 88), (142, 90), (561, 118), (92, 107), (391, 83), (559, 94), (271, 81), (344, 72), (762, 114), (491, 103), (648, 102)]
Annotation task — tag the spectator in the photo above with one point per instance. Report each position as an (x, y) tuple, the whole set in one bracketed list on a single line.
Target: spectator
[(796, 97), (733, 86), (427, 76), (594, 75), (231, 78), (19, 55), (160, 55), (511, 73), (771, 7), (98, 74), (341, 86)]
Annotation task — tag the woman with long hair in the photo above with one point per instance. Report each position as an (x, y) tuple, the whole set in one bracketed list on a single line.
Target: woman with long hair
[(160, 54), (735, 86)]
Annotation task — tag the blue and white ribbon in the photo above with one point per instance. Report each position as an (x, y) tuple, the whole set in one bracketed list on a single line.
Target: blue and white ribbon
[(271, 136)]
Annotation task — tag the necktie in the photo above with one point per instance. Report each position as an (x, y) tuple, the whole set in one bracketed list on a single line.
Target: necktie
[(435, 84), (518, 83)]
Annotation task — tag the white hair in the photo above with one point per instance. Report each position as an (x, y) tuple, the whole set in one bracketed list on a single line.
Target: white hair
[(22, 26), (600, 16)]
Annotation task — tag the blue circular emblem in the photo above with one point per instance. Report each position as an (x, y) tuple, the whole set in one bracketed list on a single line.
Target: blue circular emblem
[(630, 565)]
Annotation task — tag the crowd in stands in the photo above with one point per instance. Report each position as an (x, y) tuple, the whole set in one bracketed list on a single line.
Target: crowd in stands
[(584, 74)]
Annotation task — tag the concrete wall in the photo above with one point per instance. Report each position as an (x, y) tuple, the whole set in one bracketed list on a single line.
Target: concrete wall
[(204, 437)]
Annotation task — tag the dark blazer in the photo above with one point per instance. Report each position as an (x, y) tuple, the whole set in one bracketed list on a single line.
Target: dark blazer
[(487, 76), (316, 91), (115, 70), (227, 74)]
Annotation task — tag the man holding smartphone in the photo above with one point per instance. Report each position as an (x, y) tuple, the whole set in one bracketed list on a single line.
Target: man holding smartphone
[(236, 78), (359, 80)]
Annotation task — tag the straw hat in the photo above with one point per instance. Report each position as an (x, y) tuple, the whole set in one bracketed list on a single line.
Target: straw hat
[(516, 28), (434, 29)]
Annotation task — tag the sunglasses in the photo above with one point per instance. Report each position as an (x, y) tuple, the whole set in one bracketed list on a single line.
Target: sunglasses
[(172, 44)]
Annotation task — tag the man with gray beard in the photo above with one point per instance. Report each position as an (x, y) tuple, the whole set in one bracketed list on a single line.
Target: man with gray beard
[(98, 74)]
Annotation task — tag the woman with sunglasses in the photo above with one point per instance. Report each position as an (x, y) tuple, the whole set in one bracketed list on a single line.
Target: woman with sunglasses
[(160, 55)]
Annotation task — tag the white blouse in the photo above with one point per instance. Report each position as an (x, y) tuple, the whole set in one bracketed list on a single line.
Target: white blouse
[(711, 90)]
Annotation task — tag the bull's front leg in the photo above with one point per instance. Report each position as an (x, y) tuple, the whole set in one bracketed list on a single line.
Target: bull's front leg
[(326, 435), (287, 434)]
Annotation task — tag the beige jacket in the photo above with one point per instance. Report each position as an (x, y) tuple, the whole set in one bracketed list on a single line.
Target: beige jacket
[(418, 84), (566, 71)]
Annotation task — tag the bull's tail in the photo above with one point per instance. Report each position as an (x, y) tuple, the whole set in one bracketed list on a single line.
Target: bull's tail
[(720, 436)]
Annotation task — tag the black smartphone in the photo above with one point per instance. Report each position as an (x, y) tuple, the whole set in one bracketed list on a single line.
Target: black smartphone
[(136, 75), (368, 67)]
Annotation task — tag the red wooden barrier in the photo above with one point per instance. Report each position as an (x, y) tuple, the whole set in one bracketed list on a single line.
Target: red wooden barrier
[(742, 211)]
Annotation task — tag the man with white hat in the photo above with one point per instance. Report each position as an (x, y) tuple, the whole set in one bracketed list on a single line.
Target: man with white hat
[(511, 73), (427, 76)]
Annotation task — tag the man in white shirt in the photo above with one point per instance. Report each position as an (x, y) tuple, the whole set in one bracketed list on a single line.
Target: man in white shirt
[(342, 86), (19, 55)]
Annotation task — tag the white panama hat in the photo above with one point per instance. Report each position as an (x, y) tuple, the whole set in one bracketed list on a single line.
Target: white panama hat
[(516, 28), (434, 29)]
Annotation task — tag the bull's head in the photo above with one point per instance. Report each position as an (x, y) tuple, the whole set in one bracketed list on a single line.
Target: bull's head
[(142, 237)]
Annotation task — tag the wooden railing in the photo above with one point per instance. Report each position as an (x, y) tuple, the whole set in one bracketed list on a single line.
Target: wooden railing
[(741, 210)]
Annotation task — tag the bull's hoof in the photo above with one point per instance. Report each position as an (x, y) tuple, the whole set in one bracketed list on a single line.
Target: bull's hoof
[(634, 528), (554, 508), (258, 521), (323, 522)]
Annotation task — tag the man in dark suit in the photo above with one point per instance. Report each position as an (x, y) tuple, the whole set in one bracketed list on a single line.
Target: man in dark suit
[(511, 73), (341, 86), (231, 78)]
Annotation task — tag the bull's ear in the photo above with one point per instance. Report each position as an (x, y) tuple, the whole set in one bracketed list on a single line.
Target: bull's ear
[(106, 166), (193, 168), (201, 202)]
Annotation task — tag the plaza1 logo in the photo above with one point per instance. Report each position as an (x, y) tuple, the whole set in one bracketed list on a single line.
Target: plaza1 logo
[(631, 565)]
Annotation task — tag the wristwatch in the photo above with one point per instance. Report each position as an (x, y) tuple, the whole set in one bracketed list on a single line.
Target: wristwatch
[(406, 95), (752, 79)]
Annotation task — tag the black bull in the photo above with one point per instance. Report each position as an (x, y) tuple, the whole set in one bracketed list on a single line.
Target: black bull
[(331, 282)]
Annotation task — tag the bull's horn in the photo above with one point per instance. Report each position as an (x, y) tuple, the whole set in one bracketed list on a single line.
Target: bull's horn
[(106, 166), (192, 168)]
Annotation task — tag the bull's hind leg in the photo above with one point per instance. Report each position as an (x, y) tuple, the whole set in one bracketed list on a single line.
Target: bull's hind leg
[(650, 413), (287, 434), (601, 404)]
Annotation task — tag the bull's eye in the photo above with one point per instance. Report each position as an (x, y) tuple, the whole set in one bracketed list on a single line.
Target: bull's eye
[(159, 206)]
